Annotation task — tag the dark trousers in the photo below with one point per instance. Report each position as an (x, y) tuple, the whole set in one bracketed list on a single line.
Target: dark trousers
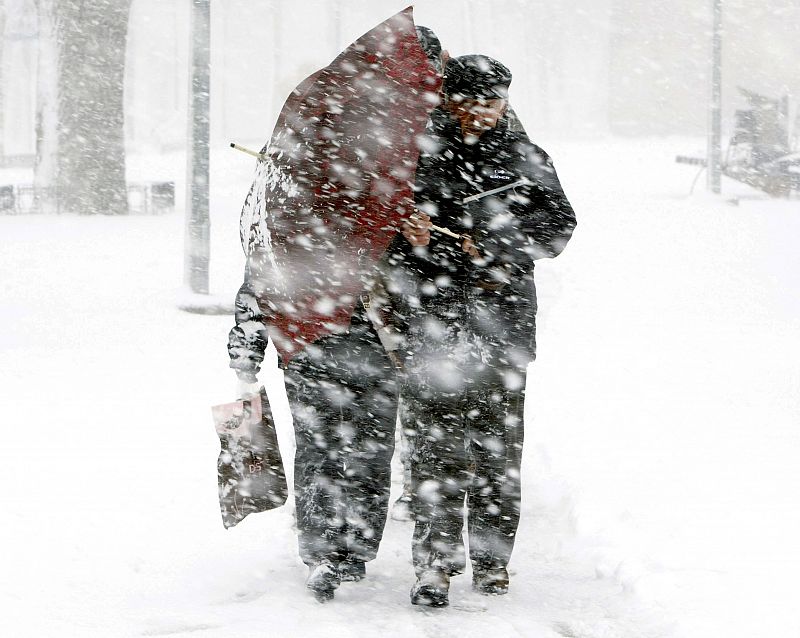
[(343, 398), (463, 405)]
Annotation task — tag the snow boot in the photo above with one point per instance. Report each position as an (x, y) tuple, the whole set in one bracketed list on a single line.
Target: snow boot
[(323, 579), (431, 589), (490, 582), (352, 570)]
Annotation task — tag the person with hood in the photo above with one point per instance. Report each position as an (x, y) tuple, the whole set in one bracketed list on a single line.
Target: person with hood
[(466, 307)]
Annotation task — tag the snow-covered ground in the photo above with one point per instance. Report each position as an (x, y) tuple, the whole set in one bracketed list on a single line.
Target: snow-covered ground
[(661, 466)]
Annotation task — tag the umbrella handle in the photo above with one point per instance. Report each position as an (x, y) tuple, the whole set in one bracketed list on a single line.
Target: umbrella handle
[(259, 156), (447, 231), (450, 233)]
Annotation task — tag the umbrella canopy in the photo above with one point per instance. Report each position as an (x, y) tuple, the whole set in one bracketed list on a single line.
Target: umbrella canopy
[(336, 182)]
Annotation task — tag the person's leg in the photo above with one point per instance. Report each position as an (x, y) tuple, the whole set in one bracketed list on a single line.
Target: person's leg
[(432, 393), (369, 419), (438, 483), (495, 434), (343, 398), (432, 396), (318, 462), (439, 471)]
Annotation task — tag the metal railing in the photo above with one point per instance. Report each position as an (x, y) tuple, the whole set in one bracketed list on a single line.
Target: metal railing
[(150, 198)]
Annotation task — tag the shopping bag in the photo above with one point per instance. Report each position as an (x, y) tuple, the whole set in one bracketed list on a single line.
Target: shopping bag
[(250, 470)]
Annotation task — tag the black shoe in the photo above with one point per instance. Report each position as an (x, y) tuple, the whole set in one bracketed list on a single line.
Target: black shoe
[(352, 571), (431, 589), (490, 582), (323, 579)]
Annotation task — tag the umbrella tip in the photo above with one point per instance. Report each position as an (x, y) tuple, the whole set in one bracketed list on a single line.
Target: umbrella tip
[(233, 145)]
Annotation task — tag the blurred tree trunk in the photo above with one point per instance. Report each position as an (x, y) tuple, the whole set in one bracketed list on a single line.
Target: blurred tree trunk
[(80, 154)]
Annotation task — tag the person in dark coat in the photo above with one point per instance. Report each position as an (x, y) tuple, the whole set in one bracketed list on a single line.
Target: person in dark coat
[(467, 310)]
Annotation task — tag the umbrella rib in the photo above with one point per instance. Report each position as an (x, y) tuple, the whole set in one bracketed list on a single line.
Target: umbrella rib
[(476, 197), (445, 231), (494, 191)]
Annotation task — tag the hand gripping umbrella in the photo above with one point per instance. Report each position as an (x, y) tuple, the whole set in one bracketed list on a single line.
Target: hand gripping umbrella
[(334, 182)]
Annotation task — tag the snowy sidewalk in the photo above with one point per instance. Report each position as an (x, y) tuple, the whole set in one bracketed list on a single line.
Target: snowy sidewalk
[(660, 473)]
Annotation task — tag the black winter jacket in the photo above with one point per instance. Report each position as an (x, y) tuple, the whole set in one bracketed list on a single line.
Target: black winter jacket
[(510, 229)]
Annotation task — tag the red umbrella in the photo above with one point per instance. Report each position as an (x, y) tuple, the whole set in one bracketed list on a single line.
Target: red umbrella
[(335, 182)]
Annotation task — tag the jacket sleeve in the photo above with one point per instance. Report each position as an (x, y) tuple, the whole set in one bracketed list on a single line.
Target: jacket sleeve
[(548, 219), (247, 340), (530, 222)]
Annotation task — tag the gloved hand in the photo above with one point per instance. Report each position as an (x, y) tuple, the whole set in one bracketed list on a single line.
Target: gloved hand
[(417, 229), (246, 347)]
